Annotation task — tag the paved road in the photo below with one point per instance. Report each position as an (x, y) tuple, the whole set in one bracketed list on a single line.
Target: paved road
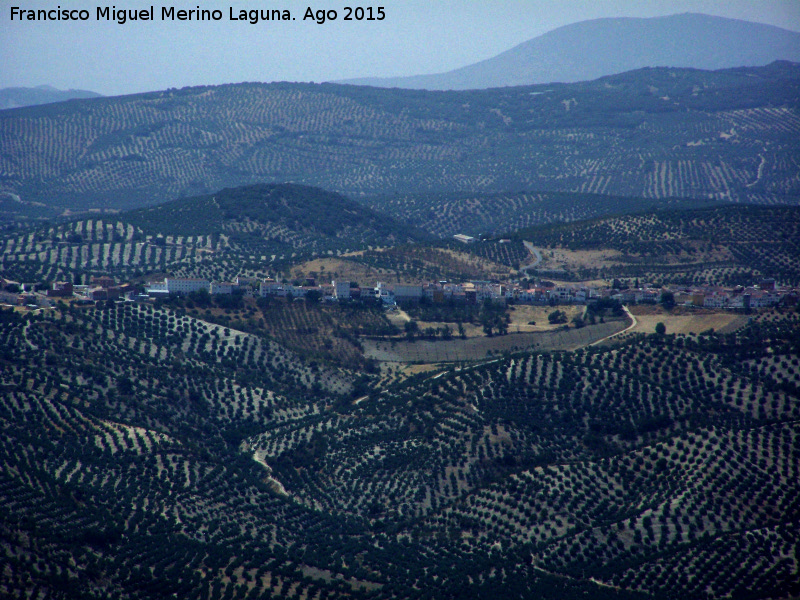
[(535, 252)]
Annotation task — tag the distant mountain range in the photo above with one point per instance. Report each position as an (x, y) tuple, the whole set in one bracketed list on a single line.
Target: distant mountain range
[(16, 97), (591, 49)]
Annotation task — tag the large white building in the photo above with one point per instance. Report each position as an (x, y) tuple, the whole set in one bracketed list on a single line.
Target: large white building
[(185, 286), (223, 287)]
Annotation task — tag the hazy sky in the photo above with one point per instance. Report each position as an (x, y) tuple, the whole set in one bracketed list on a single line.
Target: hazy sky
[(416, 37)]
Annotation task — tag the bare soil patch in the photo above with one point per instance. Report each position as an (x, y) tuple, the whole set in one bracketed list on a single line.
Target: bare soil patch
[(327, 269), (571, 260), (695, 253)]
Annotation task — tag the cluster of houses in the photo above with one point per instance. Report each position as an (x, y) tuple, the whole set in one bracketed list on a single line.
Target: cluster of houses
[(100, 288), (763, 295), (474, 292)]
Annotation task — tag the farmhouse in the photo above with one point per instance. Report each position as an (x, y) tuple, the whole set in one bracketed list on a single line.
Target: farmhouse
[(173, 285), (103, 293), (103, 281), (407, 293)]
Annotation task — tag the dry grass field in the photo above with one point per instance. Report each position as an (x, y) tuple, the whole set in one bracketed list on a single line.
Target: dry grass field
[(685, 320), (692, 254), (524, 319), (402, 264)]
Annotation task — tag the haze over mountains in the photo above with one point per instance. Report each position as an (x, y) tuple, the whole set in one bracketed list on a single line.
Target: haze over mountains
[(591, 49), (16, 97)]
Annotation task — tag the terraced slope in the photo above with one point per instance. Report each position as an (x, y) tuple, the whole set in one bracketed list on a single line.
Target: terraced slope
[(148, 454), (653, 133), (720, 245)]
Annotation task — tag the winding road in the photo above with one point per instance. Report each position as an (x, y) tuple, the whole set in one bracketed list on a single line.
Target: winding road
[(530, 248), (633, 324)]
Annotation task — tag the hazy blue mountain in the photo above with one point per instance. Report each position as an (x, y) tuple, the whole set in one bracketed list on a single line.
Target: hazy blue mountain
[(15, 97), (592, 49)]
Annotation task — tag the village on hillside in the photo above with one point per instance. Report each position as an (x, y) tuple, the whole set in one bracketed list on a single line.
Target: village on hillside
[(767, 293)]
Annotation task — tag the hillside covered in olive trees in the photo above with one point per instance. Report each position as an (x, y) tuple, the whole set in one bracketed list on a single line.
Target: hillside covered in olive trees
[(150, 454), (652, 133), (352, 403), (724, 245), (253, 228)]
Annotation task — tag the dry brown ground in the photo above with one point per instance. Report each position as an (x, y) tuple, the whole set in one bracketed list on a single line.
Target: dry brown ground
[(348, 267), (491, 269), (479, 348), (685, 320), (326, 269), (399, 318), (521, 317), (571, 260)]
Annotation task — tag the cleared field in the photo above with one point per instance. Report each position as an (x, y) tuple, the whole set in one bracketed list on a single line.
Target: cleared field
[(416, 263), (685, 321), (481, 347), (522, 316)]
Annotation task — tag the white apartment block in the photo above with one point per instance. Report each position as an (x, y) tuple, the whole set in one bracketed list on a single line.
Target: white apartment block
[(185, 286)]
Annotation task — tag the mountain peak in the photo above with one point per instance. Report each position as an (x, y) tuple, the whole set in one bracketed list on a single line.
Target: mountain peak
[(592, 49)]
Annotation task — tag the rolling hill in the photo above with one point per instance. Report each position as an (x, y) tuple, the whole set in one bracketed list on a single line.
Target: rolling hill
[(444, 215), (723, 245), (592, 49), (256, 228), (654, 133)]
